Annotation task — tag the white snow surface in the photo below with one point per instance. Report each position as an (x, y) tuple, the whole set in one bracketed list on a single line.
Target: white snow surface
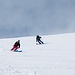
[(55, 57)]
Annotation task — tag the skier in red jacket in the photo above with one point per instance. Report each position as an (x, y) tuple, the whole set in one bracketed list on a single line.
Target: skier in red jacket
[(16, 45)]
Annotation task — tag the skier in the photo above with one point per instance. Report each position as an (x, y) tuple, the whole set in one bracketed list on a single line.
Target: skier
[(16, 45), (38, 39)]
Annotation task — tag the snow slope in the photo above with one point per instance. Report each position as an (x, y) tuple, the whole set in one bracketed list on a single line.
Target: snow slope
[(55, 57)]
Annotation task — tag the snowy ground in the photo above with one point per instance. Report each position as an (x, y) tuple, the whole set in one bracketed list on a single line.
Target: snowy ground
[(55, 57)]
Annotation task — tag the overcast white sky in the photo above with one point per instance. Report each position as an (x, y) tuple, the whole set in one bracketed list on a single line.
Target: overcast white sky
[(32, 17)]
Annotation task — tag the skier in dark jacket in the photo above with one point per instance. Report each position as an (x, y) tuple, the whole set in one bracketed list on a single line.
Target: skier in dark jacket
[(16, 45), (38, 39)]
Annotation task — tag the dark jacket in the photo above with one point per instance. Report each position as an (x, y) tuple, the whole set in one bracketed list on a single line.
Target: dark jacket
[(38, 38), (17, 44)]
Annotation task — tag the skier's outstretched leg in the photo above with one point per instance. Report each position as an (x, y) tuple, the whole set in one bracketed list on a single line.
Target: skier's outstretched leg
[(15, 48), (41, 42), (12, 48)]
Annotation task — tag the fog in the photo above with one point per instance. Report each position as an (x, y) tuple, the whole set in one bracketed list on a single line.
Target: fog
[(32, 17)]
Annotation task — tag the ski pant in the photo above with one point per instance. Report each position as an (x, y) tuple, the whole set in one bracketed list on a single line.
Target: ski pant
[(40, 42), (14, 48)]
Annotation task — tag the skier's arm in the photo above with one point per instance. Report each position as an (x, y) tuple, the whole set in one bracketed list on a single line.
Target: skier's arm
[(19, 46)]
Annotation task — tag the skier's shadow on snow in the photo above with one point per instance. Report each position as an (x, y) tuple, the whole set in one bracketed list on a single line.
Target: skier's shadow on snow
[(46, 43), (42, 44)]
